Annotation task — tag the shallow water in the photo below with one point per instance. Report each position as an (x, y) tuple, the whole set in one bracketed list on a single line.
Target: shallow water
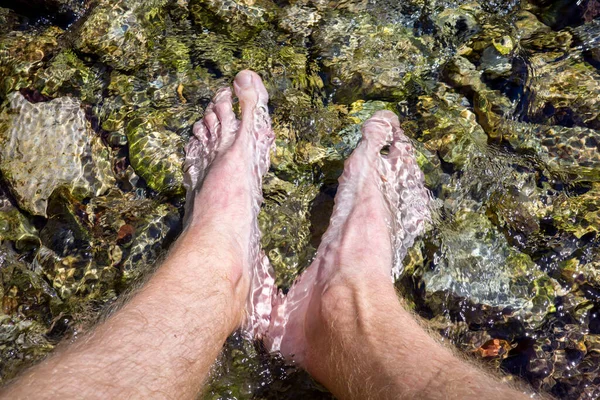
[(499, 97)]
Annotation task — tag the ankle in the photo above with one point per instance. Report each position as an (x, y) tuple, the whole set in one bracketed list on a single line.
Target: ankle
[(348, 311)]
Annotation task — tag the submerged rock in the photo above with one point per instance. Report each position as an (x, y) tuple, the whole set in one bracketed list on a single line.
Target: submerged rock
[(239, 19), (26, 316), (285, 222), (476, 263), (122, 34), (49, 145), (66, 74), (365, 58), (21, 54), (16, 228), (156, 154)]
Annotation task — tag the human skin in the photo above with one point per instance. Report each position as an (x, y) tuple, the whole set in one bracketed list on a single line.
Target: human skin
[(343, 321), (350, 329), (162, 343)]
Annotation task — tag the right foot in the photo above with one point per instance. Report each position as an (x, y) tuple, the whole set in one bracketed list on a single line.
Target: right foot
[(380, 207)]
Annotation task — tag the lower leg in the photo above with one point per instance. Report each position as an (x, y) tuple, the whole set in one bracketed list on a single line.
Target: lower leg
[(162, 343), (342, 320)]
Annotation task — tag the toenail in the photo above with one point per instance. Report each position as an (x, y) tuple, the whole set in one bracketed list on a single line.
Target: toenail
[(244, 79)]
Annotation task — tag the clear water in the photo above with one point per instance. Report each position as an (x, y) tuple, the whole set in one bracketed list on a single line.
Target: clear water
[(500, 99)]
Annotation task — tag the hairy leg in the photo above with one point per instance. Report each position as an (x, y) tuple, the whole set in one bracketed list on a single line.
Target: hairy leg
[(162, 343), (342, 320)]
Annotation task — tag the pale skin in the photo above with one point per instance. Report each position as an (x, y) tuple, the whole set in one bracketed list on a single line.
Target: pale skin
[(357, 338)]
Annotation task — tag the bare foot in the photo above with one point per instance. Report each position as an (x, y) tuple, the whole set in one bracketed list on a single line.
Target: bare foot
[(225, 162), (380, 207)]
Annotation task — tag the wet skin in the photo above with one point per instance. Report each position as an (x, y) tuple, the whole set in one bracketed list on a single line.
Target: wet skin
[(342, 321)]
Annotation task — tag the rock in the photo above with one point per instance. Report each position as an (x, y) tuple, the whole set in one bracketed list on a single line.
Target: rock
[(457, 25), (27, 303), (8, 20), (365, 58), (49, 145), (300, 20), (21, 54), (154, 233), (565, 151), (476, 263), (156, 154), (122, 34), (15, 227), (588, 37), (285, 226), (66, 75), (565, 92), (239, 19)]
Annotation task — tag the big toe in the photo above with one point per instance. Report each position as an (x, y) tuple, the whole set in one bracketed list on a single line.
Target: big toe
[(251, 91), (379, 129)]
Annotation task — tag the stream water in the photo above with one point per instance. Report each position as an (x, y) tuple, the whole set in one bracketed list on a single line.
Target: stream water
[(499, 97)]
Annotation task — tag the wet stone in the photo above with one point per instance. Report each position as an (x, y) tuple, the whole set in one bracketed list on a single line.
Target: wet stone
[(21, 54), (156, 154), (66, 74), (365, 58), (476, 263), (49, 145), (121, 33), (284, 221)]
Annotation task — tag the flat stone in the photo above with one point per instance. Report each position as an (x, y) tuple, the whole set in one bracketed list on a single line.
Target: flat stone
[(48, 145)]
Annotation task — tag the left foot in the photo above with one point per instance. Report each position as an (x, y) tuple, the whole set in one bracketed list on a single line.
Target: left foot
[(225, 162)]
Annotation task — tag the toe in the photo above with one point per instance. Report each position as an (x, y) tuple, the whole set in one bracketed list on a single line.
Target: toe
[(223, 107), (251, 91), (378, 130), (211, 121)]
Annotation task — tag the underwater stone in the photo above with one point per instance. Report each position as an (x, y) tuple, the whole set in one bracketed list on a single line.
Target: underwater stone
[(122, 33), (565, 91), (572, 151), (21, 54), (49, 145), (457, 25), (285, 224), (154, 233), (27, 303), (68, 75), (579, 215), (156, 154), (15, 227), (239, 19), (475, 262), (299, 20), (8, 20), (366, 58)]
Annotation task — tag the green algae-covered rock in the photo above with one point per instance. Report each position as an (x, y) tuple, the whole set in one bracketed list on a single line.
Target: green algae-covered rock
[(8, 20), (156, 154), (25, 317), (566, 92), (450, 128), (477, 263), (240, 19), (579, 215), (285, 222), (122, 34), (21, 54), (15, 227), (366, 58), (66, 74), (154, 233), (49, 145)]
